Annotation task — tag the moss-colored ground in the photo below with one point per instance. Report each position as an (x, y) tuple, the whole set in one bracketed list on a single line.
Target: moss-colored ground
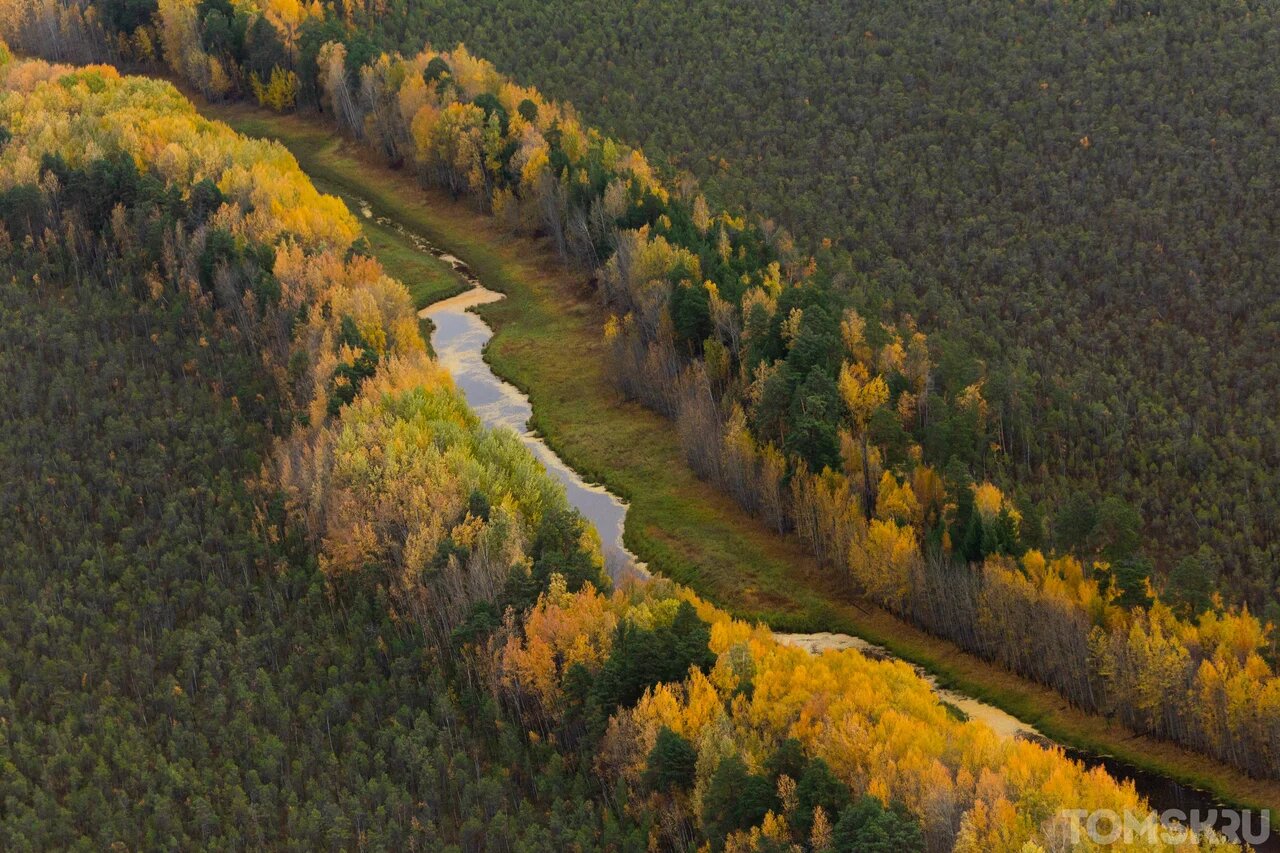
[(548, 343)]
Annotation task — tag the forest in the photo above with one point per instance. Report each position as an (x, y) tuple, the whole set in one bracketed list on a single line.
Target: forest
[(177, 673), (271, 584), (1083, 233), (797, 382), (1077, 200)]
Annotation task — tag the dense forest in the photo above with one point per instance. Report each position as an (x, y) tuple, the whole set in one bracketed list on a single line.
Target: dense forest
[(176, 672), (271, 584), (1080, 197), (796, 381)]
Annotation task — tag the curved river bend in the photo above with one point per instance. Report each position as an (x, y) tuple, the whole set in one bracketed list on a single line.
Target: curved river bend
[(459, 338)]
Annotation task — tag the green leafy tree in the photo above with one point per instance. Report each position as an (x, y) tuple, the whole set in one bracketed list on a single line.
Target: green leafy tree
[(1073, 526), (1190, 586), (868, 827), (787, 760), (672, 763), (735, 800), (818, 786), (1117, 530)]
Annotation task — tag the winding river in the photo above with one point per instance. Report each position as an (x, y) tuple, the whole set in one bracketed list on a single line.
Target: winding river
[(459, 338)]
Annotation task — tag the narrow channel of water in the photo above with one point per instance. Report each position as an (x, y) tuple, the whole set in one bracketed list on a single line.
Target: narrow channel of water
[(459, 338)]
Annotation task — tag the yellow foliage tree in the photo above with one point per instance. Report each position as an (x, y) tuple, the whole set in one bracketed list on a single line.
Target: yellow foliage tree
[(863, 395)]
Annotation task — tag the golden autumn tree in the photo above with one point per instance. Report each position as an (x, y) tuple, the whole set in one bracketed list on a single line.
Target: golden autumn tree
[(863, 395)]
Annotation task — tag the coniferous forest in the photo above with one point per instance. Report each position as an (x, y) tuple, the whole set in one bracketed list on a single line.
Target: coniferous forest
[(1077, 199), (270, 583), (864, 438), (973, 302), (176, 674)]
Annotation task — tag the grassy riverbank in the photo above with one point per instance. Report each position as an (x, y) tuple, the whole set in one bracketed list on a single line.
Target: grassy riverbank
[(548, 343)]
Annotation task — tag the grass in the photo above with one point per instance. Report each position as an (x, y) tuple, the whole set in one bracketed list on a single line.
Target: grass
[(428, 279), (548, 343)]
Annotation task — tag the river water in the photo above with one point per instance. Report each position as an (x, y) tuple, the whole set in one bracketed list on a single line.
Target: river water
[(459, 338)]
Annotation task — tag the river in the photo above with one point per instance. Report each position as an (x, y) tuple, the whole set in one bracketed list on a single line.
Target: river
[(459, 338)]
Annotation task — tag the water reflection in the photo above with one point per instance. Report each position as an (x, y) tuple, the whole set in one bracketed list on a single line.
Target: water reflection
[(459, 339)]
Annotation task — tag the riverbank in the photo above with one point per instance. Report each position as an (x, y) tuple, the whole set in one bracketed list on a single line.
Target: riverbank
[(548, 343), (459, 338)]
